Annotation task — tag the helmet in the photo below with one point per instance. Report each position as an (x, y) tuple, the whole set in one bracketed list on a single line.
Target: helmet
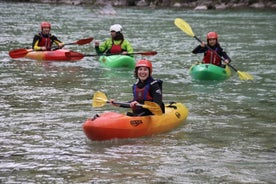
[(45, 24), (145, 63), (116, 28), (212, 35)]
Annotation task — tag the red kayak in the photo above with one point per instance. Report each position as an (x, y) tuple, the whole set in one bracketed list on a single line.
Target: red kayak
[(54, 55)]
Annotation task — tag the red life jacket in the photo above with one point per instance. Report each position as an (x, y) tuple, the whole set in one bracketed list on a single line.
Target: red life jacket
[(45, 42), (211, 57), (116, 49)]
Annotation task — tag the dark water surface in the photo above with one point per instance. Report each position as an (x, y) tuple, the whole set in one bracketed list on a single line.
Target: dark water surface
[(229, 136)]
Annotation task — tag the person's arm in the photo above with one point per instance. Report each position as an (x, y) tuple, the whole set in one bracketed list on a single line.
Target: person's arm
[(225, 57), (199, 49), (126, 46), (59, 43), (156, 94), (103, 47), (35, 43), (113, 102)]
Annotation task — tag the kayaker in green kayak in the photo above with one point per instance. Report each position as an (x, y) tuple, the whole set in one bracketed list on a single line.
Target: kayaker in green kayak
[(145, 89), (117, 44), (209, 55), (43, 41)]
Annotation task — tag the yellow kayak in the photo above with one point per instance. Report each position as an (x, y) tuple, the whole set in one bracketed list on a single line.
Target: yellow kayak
[(111, 125)]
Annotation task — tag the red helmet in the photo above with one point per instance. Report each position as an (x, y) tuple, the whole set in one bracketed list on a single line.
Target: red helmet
[(212, 35), (145, 63), (45, 24)]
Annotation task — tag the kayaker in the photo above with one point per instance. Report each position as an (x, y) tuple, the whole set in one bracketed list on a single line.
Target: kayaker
[(117, 44), (145, 89), (209, 55), (43, 41)]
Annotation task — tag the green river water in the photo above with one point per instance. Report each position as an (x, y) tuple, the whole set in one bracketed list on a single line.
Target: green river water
[(229, 136)]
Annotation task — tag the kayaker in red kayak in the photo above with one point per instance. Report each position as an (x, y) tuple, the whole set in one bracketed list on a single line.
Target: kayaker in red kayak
[(145, 89), (43, 41), (117, 44), (209, 55)]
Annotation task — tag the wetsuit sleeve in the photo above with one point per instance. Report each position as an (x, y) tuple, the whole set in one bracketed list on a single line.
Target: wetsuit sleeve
[(103, 47), (55, 40), (35, 43), (199, 49), (156, 94), (127, 47), (224, 55)]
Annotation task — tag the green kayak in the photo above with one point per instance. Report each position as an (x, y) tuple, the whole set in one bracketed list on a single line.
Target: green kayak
[(201, 71), (118, 61)]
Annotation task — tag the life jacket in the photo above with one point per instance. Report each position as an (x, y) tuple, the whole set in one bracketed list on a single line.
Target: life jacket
[(45, 41), (143, 94), (212, 57), (116, 49)]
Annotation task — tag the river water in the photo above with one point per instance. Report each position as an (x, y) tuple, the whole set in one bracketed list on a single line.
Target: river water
[(229, 136)]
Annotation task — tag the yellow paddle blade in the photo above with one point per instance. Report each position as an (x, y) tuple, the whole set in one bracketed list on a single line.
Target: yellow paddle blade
[(245, 76), (99, 99), (184, 26), (153, 107)]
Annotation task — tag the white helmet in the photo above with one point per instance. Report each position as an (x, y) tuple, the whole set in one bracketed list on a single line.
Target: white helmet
[(116, 28)]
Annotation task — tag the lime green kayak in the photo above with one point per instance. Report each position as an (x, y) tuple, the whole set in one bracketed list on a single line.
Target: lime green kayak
[(118, 61), (201, 71)]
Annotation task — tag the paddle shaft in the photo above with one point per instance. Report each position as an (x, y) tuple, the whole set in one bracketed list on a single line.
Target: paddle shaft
[(124, 104), (100, 99), (79, 55), (142, 53)]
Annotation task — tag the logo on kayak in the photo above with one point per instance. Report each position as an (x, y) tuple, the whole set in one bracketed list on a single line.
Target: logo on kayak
[(178, 115), (103, 60), (136, 122)]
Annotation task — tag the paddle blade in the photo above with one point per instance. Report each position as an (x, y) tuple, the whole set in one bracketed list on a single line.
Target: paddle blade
[(153, 107), (99, 99), (184, 26), (18, 53), (84, 41), (245, 76), (74, 55)]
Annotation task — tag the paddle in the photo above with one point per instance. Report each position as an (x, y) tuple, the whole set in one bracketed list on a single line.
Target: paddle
[(81, 42), (186, 28), (100, 99), (80, 56), (18, 53)]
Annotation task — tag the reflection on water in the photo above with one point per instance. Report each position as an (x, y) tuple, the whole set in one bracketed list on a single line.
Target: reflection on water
[(229, 136)]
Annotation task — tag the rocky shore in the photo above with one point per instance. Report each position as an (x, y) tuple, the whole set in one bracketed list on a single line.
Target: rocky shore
[(187, 4)]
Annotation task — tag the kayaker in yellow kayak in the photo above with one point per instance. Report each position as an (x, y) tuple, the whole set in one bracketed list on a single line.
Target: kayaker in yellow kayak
[(209, 55), (117, 44), (43, 41), (145, 89)]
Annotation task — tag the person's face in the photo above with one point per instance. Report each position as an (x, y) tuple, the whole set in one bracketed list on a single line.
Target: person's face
[(143, 73), (212, 41), (45, 30), (113, 34)]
